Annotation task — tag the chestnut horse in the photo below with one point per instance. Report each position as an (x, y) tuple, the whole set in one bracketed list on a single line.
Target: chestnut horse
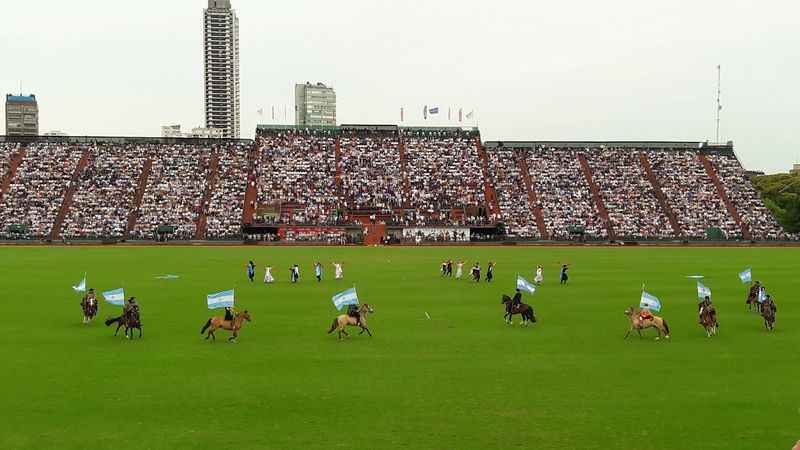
[(636, 324), (89, 308), (342, 321), (215, 323), (708, 319)]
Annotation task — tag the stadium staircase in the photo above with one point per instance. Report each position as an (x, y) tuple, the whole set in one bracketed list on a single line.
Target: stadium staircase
[(202, 218), (522, 162), (489, 193), (374, 233), (662, 199), (598, 199), (712, 173), (13, 165), (250, 191), (133, 216), (66, 203), (404, 170)]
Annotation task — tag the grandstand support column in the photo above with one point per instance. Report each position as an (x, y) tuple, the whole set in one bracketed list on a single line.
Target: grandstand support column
[(250, 191), (66, 203), (533, 200), (13, 165), (141, 186), (489, 192), (712, 173), (598, 199), (662, 199), (401, 145), (202, 218)]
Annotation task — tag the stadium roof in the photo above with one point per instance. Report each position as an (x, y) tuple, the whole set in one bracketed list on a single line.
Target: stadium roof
[(20, 98)]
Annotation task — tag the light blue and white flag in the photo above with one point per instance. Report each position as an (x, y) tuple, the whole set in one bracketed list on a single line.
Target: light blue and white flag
[(695, 277), (762, 295), (220, 300), (650, 302), (80, 287), (344, 298), (746, 276), (525, 285), (115, 297), (702, 291), (433, 110)]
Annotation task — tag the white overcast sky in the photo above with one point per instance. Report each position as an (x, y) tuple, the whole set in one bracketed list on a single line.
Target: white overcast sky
[(532, 70)]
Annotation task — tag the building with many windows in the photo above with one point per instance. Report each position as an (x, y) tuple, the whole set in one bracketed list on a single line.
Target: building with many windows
[(221, 45), (22, 115), (315, 105)]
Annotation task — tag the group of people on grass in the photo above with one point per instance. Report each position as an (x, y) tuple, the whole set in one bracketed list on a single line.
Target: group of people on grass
[(294, 272)]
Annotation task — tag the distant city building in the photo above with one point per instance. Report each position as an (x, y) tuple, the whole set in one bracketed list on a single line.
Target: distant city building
[(174, 131), (56, 133), (221, 44), (22, 115), (795, 170), (314, 105)]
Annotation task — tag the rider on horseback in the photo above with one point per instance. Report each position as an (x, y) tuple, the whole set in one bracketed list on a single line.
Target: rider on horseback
[(769, 305), (516, 301), (131, 309), (230, 313), (703, 307), (644, 315), (352, 311)]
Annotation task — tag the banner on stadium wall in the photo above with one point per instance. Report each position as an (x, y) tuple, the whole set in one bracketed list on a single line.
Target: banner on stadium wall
[(426, 233)]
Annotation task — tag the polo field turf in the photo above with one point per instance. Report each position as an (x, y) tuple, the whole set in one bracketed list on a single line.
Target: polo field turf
[(461, 379)]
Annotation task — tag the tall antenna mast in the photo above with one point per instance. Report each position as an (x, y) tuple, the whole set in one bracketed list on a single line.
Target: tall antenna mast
[(719, 93)]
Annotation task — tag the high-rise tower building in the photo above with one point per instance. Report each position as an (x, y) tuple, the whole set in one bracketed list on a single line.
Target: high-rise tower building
[(221, 44), (315, 105), (22, 115)]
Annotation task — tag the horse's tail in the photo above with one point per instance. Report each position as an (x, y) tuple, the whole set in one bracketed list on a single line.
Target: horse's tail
[(112, 320), (334, 325), (205, 327), (666, 327)]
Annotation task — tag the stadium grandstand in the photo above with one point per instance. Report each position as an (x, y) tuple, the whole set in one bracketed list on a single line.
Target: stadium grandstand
[(371, 184)]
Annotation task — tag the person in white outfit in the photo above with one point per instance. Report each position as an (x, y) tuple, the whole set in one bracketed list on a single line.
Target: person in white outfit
[(338, 272), (459, 270), (268, 278), (539, 275)]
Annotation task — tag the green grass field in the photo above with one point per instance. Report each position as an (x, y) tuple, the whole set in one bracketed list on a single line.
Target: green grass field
[(461, 380)]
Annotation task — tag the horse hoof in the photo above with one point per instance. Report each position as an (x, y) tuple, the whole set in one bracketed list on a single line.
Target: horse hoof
[(658, 338)]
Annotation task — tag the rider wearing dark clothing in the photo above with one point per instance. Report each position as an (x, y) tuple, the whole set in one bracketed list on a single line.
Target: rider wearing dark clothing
[(704, 306), (517, 300), (352, 311), (490, 272), (229, 313)]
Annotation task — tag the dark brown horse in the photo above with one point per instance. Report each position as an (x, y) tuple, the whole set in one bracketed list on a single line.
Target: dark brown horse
[(768, 311), (129, 320), (708, 319), (752, 298), (89, 308), (526, 311)]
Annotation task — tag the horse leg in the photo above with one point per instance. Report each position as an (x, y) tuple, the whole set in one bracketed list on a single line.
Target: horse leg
[(119, 325), (628, 333), (368, 332)]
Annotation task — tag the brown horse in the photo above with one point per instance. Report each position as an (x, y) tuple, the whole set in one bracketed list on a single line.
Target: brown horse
[(708, 319), (342, 321), (768, 310), (752, 298), (89, 308), (130, 320), (215, 323), (637, 324), (526, 311)]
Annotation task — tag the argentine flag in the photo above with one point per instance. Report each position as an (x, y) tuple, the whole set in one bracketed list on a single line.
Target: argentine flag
[(220, 300), (344, 298), (702, 291), (746, 276), (525, 285), (115, 297), (433, 110), (650, 302), (80, 287)]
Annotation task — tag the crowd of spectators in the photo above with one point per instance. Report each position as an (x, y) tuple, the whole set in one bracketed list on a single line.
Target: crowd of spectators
[(224, 211), (563, 193), (35, 194), (175, 187), (105, 192), (628, 195), (755, 216), (298, 167), (691, 194), (444, 171), (370, 170), (7, 151), (512, 194)]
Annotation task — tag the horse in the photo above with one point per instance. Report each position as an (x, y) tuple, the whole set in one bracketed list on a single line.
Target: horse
[(342, 321), (708, 319), (768, 314), (752, 299), (89, 308), (129, 320), (656, 322), (215, 323), (525, 310)]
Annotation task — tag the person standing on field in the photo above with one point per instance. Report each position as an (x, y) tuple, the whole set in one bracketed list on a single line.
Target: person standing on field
[(564, 277), (251, 270), (338, 270), (490, 272), (539, 275), (459, 270), (318, 271)]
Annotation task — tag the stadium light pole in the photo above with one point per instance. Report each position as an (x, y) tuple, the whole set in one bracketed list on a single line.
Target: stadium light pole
[(719, 93)]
